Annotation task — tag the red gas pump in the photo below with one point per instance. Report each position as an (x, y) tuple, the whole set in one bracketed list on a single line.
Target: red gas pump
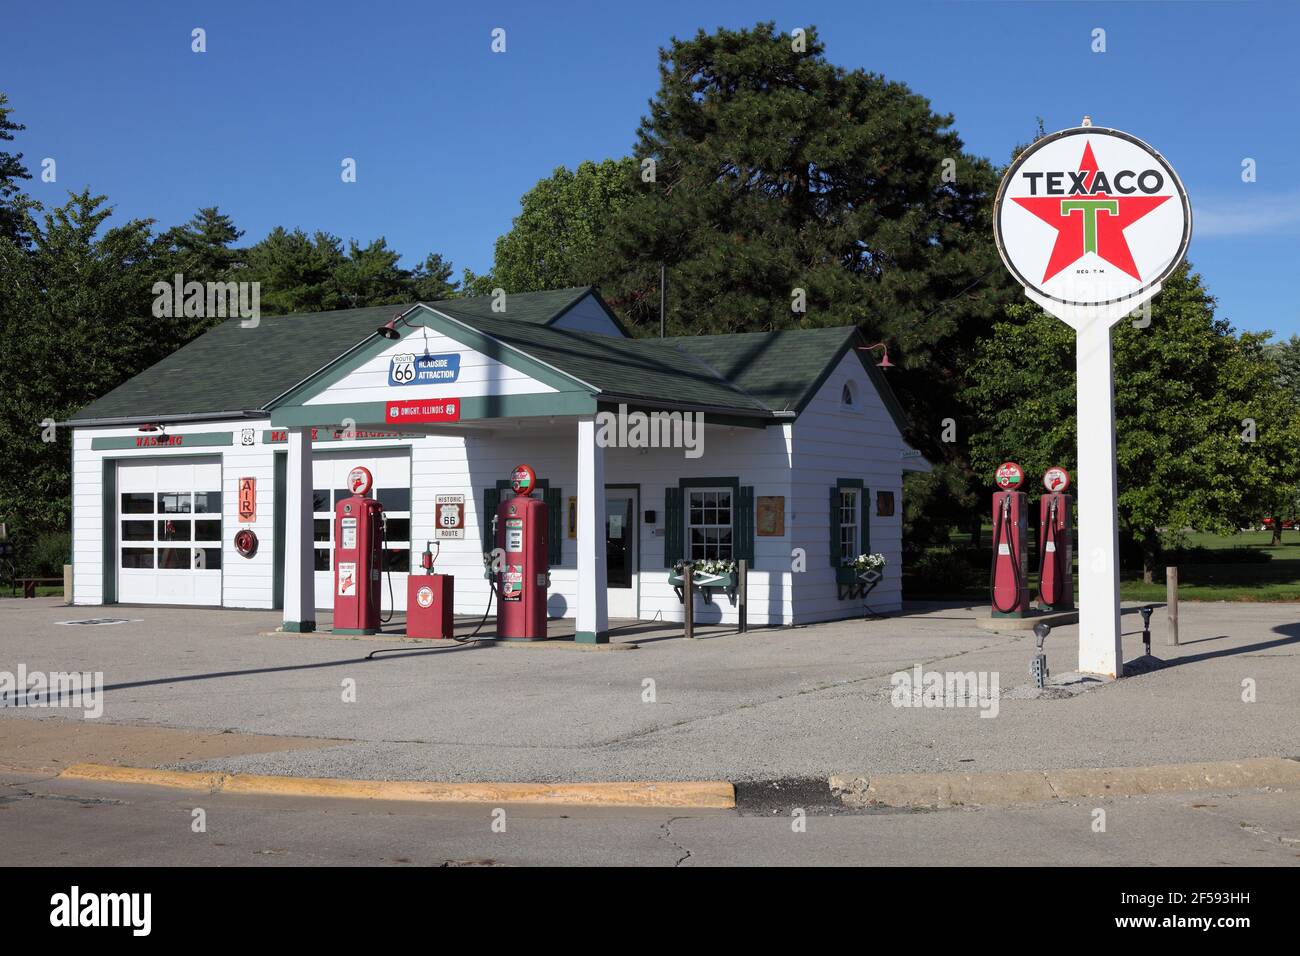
[(522, 582), (429, 601), (1056, 547), (358, 555), (1009, 581)]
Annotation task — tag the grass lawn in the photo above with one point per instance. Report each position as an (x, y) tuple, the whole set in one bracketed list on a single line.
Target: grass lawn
[(1205, 580)]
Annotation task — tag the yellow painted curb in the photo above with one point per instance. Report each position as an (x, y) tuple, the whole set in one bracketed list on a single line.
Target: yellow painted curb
[(694, 794)]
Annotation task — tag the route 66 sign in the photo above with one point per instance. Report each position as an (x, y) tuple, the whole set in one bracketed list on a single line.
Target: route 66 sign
[(449, 512), (410, 369)]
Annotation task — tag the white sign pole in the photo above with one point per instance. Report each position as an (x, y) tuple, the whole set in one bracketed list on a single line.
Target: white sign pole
[(1097, 484), (1097, 494), (1091, 222)]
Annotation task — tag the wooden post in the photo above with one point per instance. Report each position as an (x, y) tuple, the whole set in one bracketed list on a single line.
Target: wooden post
[(688, 597), (742, 583), (1171, 604)]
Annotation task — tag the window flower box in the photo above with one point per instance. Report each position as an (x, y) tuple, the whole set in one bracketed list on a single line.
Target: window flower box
[(859, 577), (709, 576)]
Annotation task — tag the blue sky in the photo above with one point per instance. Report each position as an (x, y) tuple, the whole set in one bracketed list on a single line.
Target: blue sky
[(447, 135)]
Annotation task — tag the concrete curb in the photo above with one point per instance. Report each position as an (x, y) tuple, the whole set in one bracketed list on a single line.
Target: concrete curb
[(1039, 786), (697, 795)]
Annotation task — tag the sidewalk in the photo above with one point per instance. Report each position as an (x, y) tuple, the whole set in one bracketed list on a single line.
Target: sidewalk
[(800, 702)]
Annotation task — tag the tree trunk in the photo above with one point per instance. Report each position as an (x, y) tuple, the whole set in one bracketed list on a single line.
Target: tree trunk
[(1150, 555), (1277, 534)]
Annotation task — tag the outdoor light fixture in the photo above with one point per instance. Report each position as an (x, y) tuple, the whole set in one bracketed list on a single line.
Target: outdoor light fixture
[(389, 329), (884, 362)]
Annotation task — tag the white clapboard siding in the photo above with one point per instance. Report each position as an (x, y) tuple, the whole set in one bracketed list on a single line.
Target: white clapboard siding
[(833, 441)]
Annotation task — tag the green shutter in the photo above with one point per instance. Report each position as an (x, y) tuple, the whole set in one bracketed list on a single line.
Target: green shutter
[(554, 524), (835, 526), (866, 520), (674, 523), (743, 525), (491, 498)]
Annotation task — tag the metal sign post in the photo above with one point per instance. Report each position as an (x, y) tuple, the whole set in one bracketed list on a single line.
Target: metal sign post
[(1090, 222)]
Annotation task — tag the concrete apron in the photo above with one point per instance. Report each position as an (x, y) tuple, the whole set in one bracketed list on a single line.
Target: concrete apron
[(1039, 786)]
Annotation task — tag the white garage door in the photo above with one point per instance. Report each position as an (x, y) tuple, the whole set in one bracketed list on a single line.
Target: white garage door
[(392, 472), (169, 531)]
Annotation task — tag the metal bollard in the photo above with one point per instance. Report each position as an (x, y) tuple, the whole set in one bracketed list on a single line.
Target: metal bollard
[(1146, 628), (1039, 667), (688, 598), (742, 585)]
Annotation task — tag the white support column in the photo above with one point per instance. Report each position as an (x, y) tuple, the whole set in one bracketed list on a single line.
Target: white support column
[(1100, 650), (593, 596), (299, 561)]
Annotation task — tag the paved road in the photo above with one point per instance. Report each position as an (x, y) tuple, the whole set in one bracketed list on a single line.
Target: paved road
[(73, 823), (796, 702)]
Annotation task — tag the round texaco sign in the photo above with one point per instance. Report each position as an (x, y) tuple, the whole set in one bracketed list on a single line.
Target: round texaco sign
[(1091, 216)]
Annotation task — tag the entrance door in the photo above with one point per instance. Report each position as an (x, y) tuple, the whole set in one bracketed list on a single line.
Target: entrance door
[(621, 551)]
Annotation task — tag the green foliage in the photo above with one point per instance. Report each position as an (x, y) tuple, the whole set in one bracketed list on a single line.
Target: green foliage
[(776, 171), (46, 556), (554, 241), (1184, 389), (13, 203), (75, 319)]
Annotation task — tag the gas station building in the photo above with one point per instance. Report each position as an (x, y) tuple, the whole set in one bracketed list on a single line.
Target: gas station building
[(211, 479)]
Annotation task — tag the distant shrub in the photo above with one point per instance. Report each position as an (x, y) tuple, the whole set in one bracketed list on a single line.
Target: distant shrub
[(47, 555), (940, 570)]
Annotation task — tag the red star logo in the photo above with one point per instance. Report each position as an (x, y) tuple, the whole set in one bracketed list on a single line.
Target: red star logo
[(1092, 222)]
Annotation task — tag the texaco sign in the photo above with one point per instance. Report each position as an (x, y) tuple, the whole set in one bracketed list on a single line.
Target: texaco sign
[(1091, 216)]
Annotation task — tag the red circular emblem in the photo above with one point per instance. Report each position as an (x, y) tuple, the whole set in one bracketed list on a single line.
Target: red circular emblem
[(1009, 476), (360, 481), (1056, 479), (523, 480), (424, 596)]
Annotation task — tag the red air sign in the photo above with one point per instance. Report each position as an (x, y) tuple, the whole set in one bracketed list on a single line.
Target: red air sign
[(423, 410)]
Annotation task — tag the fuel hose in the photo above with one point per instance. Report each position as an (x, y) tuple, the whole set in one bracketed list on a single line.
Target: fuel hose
[(1003, 521)]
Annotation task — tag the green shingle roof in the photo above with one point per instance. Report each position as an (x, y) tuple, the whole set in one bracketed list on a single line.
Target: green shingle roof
[(781, 369), (231, 371)]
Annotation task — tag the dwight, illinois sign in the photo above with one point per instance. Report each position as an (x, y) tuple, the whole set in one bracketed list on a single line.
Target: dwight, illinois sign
[(1091, 216)]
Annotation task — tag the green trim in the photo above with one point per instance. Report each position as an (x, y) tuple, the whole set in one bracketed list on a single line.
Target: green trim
[(474, 408), (108, 532), (279, 524), (685, 483), (353, 630), (591, 637), (298, 627), (280, 436), (150, 442)]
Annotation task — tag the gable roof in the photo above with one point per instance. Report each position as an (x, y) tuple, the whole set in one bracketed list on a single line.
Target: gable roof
[(232, 372)]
